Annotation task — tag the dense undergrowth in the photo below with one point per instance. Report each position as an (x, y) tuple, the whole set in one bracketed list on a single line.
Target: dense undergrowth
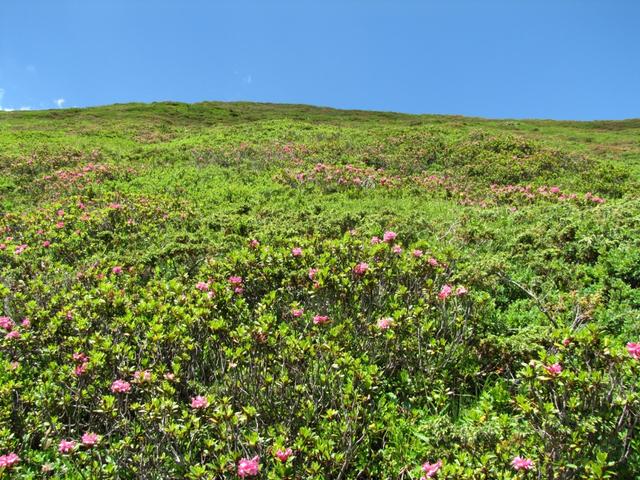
[(224, 290)]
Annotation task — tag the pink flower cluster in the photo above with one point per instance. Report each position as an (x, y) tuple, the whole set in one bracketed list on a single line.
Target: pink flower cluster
[(82, 362), (430, 469), (120, 386), (634, 350), (9, 460), (199, 402), (249, 467), (320, 319), (283, 455), (236, 284), (520, 463)]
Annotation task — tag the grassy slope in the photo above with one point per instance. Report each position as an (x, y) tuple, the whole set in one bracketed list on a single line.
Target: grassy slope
[(226, 172)]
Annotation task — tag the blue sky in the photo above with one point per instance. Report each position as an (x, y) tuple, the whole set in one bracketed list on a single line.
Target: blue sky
[(564, 59)]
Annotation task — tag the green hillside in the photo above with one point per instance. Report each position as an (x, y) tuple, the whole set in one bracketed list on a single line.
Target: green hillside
[(201, 284)]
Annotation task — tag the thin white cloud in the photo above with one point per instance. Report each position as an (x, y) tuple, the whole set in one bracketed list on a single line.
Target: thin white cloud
[(59, 102), (248, 79), (25, 109), (1, 95)]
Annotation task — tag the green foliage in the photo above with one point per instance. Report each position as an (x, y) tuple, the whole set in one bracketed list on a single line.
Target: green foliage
[(125, 240)]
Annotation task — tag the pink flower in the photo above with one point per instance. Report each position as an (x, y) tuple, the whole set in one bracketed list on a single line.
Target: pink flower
[(46, 244), (90, 439), (445, 292), (397, 249), (199, 402), (9, 460), (296, 252), (6, 323), (320, 319), (554, 369), (13, 335), (554, 189), (566, 342), (417, 253), (20, 248), (239, 290), (254, 243), (297, 312), (60, 225), (249, 467), (235, 280), (120, 386), (361, 268), (385, 323), (142, 376), (169, 376), (26, 323), (312, 273), (80, 369), (79, 357), (461, 291), (60, 213), (430, 469), (66, 446), (634, 350), (2, 247), (520, 463), (433, 262), (283, 455), (202, 286), (389, 236), (116, 270), (375, 240)]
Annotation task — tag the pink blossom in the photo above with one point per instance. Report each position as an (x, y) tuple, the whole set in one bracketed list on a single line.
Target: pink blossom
[(320, 319), (433, 262), (385, 323), (13, 335), (296, 251), (79, 357), (417, 253), (520, 463), (26, 323), (20, 248), (239, 290), (120, 386), (361, 268), (461, 291), (6, 323), (80, 369), (297, 312), (312, 273), (430, 469), (397, 249), (46, 244), (389, 236), (142, 376), (375, 240), (90, 439), (66, 446), (235, 280), (445, 292), (199, 402), (254, 243), (554, 189), (283, 455), (554, 369), (9, 460), (249, 467), (566, 342), (634, 350), (115, 206), (60, 213), (3, 246), (169, 376), (202, 286), (116, 270), (60, 225)]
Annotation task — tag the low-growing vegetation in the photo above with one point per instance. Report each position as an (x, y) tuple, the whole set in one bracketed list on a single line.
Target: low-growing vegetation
[(239, 290)]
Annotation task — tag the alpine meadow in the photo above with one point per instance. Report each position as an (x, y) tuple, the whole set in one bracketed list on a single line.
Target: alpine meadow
[(261, 291)]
